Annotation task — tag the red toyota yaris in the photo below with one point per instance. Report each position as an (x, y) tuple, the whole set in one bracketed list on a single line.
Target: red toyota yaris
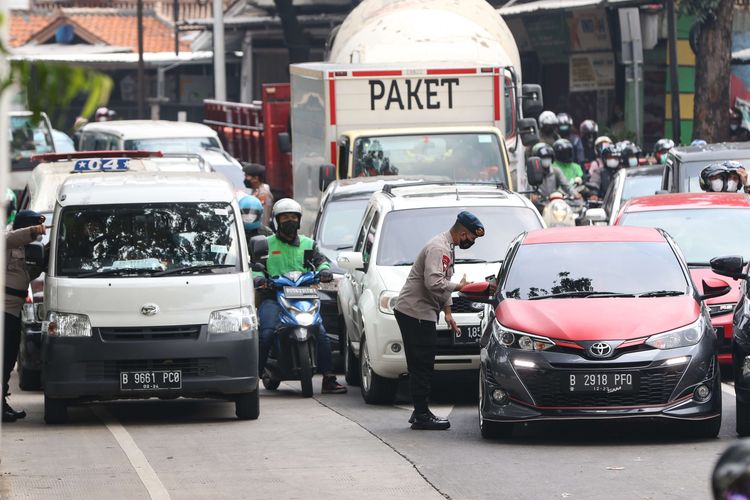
[(597, 322)]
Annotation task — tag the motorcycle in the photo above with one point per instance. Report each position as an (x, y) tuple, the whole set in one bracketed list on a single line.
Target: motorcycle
[(294, 351)]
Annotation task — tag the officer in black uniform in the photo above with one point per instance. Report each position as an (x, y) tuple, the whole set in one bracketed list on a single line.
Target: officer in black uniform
[(428, 291)]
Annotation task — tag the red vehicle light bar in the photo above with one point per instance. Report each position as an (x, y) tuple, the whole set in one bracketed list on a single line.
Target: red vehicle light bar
[(50, 157)]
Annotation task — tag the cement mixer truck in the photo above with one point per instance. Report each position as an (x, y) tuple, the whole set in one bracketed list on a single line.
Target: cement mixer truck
[(426, 87)]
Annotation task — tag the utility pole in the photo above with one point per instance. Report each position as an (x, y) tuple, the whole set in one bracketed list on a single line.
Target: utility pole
[(176, 15), (141, 70), (220, 68), (674, 87)]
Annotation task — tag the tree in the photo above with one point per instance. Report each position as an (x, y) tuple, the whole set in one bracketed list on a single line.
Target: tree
[(712, 67)]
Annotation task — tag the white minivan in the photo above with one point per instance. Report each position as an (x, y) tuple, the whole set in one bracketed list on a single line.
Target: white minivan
[(148, 135), (148, 292)]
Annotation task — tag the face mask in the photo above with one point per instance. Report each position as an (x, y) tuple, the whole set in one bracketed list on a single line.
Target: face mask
[(564, 131), (546, 163), (732, 185), (464, 244), (717, 185), (632, 162), (612, 162), (248, 184), (289, 228), (663, 159)]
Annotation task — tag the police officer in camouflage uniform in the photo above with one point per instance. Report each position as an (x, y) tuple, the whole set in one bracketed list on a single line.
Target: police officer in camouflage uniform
[(286, 253), (426, 292)]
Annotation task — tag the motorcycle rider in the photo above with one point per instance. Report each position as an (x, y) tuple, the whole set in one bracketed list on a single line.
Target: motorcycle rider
[(565, 160), (554, 180), (630, 154), (565, 129), (254, 176), (252, 217), (601, 176), (286, 253), (728, 176), (548, 123), (588, 130), (661, 148)]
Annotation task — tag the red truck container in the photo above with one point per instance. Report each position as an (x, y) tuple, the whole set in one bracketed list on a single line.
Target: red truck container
[(250, 133)]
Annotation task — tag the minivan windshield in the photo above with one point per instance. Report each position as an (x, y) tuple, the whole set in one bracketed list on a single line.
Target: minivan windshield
[(577, 269), (460, 157), (173, 144), (339, 224), (501, 225), (147, 239)]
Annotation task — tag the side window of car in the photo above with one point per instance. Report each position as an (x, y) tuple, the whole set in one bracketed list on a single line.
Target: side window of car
[(667, 177), (363, 230), (609, 197), (113, 143), (370, 238), (88, 141)]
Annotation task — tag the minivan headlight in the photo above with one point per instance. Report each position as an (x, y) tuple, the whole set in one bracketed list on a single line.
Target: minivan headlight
[(241, 319), (387, 301), (514, 339), (66, 325), (680, 337)]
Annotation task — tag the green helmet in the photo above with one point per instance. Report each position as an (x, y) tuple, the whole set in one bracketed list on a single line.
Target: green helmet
[(11, 206)]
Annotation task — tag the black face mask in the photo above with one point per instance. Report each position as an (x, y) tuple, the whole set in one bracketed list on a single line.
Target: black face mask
[(248, 184), (465, 244), (289, 228)]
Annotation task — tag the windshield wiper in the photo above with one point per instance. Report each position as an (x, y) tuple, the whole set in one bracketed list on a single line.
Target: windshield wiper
[(469, 261), (115, 271), (581, 293), (190, 269), (662, 293), (345, 247)]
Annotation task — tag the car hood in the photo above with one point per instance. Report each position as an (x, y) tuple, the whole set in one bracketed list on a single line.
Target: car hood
[(700, 273), (394, 277), (578, 319)]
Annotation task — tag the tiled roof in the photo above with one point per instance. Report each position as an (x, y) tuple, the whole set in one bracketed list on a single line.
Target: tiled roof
[(118, 29)]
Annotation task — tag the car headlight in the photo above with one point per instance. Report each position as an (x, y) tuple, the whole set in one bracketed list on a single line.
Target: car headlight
[(719, 309), (680, 337), (296, 310), (514, 339), (387, 301), (241, 319), (66, 325)]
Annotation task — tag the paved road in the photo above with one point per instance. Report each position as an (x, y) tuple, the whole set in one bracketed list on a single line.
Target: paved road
[(337, 447)]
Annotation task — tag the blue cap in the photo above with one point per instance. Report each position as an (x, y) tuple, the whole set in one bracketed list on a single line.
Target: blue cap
[(470, 222)]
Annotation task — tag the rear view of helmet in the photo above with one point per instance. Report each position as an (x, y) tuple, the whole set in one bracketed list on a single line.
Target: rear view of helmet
[(252, 212), (563, 150)]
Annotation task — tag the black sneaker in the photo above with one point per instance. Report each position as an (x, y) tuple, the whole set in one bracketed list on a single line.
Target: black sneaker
[(428, 421), (413, 417), (11, 415), (332, 386)]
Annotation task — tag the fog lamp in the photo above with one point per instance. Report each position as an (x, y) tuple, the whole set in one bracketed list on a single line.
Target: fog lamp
[(396, 347), (499, 396), (702, 393)]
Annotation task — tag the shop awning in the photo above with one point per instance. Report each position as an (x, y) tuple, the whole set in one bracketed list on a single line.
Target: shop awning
[(540, 6)]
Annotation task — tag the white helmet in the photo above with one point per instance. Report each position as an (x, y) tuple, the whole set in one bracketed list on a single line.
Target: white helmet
[(548, 118), (286, 206)]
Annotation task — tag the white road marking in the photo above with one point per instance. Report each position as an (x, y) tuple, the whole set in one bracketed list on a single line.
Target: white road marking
[(727, 388), (146, 473), (439, 410)]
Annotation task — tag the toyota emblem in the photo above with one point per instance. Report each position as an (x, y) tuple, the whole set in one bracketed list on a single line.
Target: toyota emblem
[(149, 309), (600, 350)]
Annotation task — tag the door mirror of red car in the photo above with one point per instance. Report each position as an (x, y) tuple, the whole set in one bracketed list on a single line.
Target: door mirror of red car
[(730, 265), (714, 287), (477, 292)]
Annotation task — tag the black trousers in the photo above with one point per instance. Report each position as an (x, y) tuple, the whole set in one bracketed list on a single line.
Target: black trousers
[(419, 338), (12, 340)]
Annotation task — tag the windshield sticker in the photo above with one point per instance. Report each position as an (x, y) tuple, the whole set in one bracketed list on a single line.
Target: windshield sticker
[(484, 139), (219, 249), (138, 264), (221, 211)]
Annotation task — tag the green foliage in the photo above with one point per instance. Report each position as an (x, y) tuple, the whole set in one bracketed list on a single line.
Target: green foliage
[(703, 10)]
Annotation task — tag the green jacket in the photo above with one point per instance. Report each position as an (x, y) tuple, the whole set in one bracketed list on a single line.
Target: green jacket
[(284, 257), (570, 170)]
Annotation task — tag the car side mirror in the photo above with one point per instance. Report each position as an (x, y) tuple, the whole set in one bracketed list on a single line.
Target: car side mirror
[(596, 216), (351, 261), (258, 248), (327, 176), (714, 287), (730, 266), (534, 172), (477, 292), (34, 254), (284, 141), (533, 102)]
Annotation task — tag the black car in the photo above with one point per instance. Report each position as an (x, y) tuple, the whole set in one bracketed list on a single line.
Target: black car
[(684, 164)]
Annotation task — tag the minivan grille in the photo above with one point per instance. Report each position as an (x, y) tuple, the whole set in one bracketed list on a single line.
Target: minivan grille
[(152, 333)]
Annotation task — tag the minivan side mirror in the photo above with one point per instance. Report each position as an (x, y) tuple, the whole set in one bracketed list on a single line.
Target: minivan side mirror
[(714, 287), (534, 172), (528, 129), (533, 102), (34, 254), (351, 261), (258, 248), (730, 265), (284, 141), (327, 176), (477, 292)]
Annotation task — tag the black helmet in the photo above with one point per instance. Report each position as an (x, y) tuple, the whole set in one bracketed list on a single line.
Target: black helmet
[(731, 476), (563, 150), (588, 129), (28, 218), (610, 152), (565, 126), (542, 150), (713, 170), (254, 169)]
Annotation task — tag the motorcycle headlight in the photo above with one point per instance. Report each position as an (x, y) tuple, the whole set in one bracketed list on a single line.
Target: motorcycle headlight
[(681, 337), (560, 210), (514, 339), (304, 318), (387, 301), (296, 310), (241, 319), (66, 325)]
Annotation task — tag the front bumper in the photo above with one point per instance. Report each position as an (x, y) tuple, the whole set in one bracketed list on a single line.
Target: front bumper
[(218, 366), (541, 392)]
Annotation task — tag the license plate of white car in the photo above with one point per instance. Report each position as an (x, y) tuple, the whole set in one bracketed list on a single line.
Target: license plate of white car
[(300, 292), (150, 380), (608, 382), (467, 334)]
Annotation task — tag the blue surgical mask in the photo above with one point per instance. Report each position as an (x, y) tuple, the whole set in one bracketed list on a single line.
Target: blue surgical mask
[(632, 162)]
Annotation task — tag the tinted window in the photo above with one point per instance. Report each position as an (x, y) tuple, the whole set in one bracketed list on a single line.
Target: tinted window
[(370, 238), (700, 234), (632, 268), (338, 226), (173, 145), (146, 238), (502, 224)]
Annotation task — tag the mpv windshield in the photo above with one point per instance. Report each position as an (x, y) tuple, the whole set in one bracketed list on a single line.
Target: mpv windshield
[(576, 269), (405, 232), (173, 144), (152, 240), (700, 234), (338, 226)]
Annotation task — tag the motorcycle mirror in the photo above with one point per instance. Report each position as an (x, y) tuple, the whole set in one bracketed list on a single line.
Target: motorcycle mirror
[(534, 172)]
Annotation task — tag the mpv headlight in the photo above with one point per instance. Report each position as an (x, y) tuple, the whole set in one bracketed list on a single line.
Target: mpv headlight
[(681, 337), (387, 301), (241, 319), (519, 340), (67, 325)]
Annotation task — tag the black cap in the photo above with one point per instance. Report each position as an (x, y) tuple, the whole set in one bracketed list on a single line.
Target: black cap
[(254, 169), (27, 218), (470, 222)]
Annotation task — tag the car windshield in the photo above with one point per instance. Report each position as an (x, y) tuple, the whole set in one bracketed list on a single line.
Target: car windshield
[(147, 239), (690, 174), (701, 234), (173, 144), (338, 226), (640, 185), (27, 139), (501, 224), (572, 268), (460, 157)]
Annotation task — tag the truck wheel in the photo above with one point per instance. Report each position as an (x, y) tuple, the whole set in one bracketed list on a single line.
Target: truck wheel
[(351, 365), (305, 370), (247, 406), (376, 390), (743, 418), (269, 382), (55, 410), (29, 380)]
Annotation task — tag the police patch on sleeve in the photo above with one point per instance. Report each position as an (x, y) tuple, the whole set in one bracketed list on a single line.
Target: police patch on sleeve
[(446, 263)]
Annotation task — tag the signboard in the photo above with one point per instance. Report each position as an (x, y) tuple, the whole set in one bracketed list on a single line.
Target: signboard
[(592, 72), (588, 31), (548, 34)]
